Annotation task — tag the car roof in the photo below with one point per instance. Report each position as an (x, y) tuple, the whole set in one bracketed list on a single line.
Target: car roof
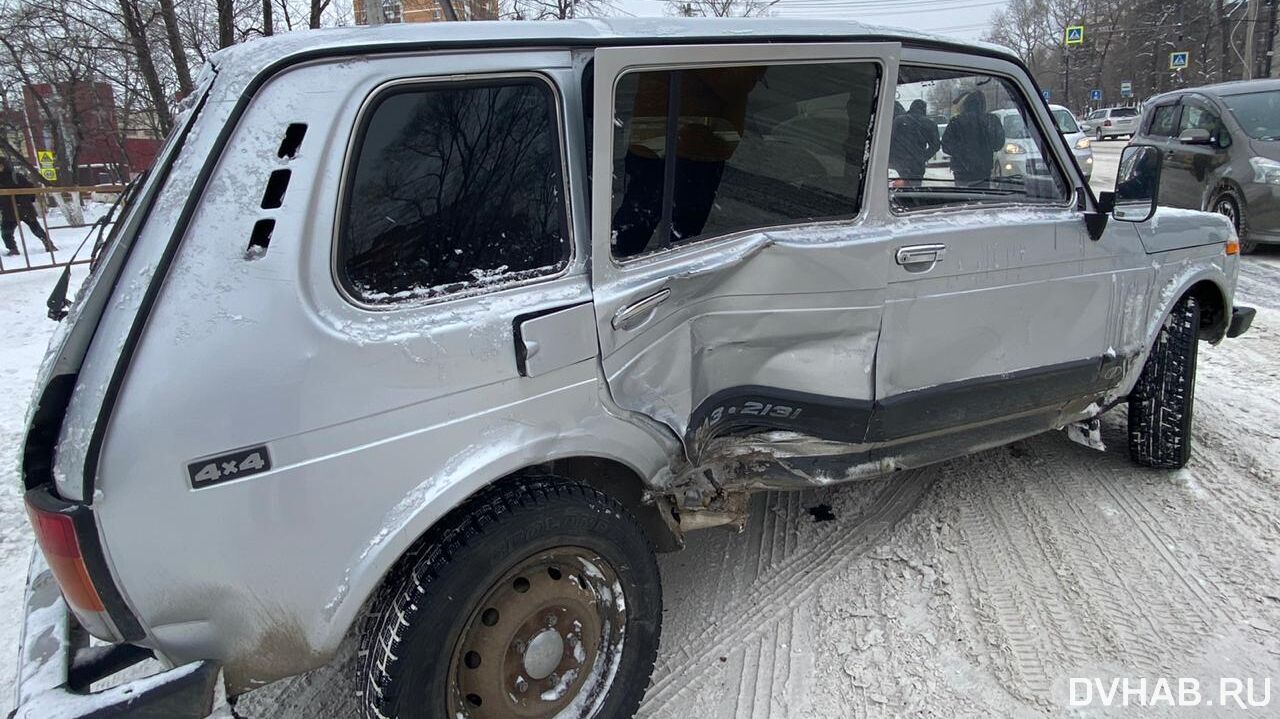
[(1224, 89), (250, 58)]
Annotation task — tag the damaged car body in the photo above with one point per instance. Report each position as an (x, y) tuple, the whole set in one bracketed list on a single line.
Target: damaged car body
[(436, 335)]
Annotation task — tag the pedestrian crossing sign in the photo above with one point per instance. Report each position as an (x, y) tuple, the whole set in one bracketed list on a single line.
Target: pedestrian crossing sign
[(44, 158), (1179, 60), (1075, 35)]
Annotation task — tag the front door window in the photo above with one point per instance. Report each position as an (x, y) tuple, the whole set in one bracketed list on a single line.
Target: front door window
[(986, 150)]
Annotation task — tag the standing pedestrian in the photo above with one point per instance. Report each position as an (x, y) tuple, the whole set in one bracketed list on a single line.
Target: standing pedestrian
[(915, 141), (972, 139)]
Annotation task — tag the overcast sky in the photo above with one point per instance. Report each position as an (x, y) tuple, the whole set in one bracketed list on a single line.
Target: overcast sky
[(962, 18)]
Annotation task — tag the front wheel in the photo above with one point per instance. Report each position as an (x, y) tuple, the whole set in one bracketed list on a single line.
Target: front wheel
[(1228, 205), (1161, 403), (538, 599)]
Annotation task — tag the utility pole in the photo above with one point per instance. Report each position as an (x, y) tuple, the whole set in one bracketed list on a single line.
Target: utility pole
[(1224, 56), (372, 12), (1251, 23), (1272, 68)]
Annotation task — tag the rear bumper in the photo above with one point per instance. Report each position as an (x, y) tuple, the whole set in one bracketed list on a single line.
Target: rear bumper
[(56, 668), (1241, 319)]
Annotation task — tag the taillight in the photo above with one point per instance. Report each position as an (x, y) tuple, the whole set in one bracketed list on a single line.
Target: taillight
[(1106, 123), (56, 535)]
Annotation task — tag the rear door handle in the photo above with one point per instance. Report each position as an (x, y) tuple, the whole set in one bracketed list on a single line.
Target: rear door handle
[(916, 255), (638, 312)]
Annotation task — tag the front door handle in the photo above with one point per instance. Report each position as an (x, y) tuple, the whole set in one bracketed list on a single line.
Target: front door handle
[(915, 255), (638, 312)]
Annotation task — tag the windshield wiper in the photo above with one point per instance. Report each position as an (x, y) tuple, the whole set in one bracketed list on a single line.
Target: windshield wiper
[(57, 302)]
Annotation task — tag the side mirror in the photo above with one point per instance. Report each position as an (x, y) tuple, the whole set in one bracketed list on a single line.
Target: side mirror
[(1137, 183), (1195, 136)]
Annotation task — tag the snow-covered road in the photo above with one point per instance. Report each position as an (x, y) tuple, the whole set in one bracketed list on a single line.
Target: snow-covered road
[(974, 588)]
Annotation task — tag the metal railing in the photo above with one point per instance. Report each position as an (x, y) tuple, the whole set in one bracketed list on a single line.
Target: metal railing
[(25, 212)]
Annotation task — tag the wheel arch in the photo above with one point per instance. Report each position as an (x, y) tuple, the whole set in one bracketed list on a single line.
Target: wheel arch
[(1207, 285), (1218, 187), (1215, 312), (388, 557)]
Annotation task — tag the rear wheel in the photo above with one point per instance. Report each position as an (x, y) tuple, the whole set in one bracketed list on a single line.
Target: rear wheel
[(1099, 134), (539, 599), (1160, 405), (1228, 205)]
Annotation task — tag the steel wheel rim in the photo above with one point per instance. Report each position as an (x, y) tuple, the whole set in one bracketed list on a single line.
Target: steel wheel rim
[(546, 637)]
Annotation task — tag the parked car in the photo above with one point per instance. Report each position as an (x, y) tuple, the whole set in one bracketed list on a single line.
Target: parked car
[(1021, 156), (1110, 122), (1081, 143), (383, 344), (1221, 146)]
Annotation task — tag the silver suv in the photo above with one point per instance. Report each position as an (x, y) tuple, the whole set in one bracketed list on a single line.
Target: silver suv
[(1111, 122), (435, 334)]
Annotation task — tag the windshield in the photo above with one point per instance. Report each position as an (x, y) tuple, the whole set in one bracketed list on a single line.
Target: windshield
[(1065, 121), (1014, 127), (1257, 112)]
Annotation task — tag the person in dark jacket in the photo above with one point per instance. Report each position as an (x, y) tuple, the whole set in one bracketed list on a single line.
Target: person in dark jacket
[(972, 139), (915, 140), (18, 207)]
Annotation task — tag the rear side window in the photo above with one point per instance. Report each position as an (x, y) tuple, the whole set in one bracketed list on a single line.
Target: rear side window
[(454, 187), (705, 152), (1164, 121)]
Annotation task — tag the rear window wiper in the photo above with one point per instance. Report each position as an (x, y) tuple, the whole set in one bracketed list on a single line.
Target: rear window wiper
[(57, 302)]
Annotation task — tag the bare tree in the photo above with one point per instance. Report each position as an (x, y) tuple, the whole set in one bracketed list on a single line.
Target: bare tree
[(226, 23), (556, 9), (1124, 41), (136, 31), (179, 53), (317, 12), (720, 8)]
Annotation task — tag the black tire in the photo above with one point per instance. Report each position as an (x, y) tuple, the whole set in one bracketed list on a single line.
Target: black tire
[(1227, 204), (1160, 405), (411, 639), (1101, 137)]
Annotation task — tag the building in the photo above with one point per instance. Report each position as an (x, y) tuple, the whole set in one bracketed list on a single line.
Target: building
[(428, 10)]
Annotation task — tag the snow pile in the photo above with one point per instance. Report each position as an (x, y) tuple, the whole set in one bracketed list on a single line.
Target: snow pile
[(26, 331)]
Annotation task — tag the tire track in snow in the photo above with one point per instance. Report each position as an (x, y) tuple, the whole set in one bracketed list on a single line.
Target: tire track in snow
[(1011, 606), (757, 612)]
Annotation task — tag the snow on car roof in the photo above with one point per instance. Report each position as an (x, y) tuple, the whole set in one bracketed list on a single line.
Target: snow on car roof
[(247, 59)]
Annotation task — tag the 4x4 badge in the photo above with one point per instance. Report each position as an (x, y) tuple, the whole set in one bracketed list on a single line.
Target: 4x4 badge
[(226, 467)]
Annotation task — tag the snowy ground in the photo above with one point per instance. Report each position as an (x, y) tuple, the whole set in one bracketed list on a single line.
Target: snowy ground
[(974, 588), (65, 239)]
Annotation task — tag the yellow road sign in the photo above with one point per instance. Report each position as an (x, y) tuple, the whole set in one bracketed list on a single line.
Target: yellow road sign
[(44, 158), (1075, 35)]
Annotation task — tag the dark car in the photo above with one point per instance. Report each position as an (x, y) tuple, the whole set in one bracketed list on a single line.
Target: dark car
[(1221, 146)]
